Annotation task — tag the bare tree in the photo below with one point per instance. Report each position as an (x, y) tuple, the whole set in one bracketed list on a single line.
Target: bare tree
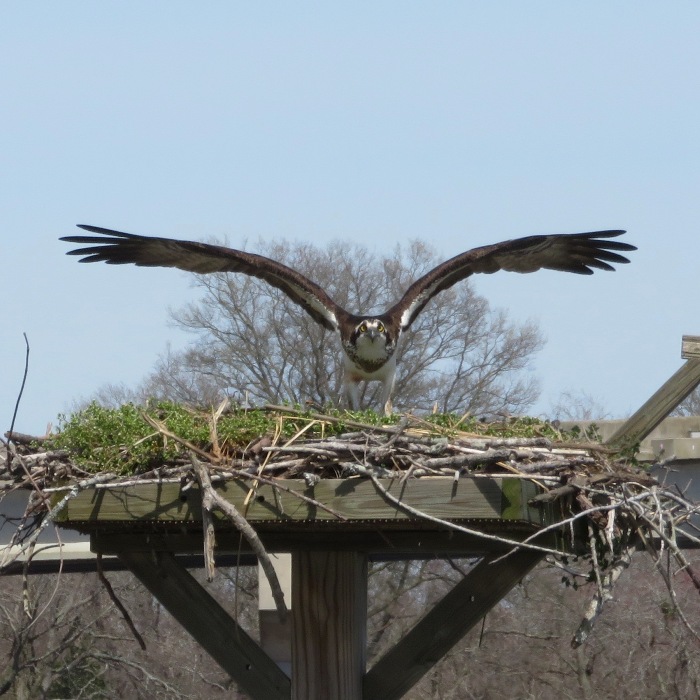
[(572, 405), (690, 406), (61, 637), (178, 376), (253, 343), (522, 649)]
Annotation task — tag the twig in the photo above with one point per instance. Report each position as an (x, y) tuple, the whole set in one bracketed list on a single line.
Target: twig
[(209, 542), (211, 499), (677, 553), (160, 427), (602, 595), (585, 513), (19, 395), (113, 597), (663, 571), (275, 483), (331, 419), (53, 513), (23, 438)]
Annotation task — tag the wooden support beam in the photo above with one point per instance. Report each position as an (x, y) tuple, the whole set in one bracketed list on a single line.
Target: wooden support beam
[(329, 620), (690, 348), (191, 605), (438, 631), (275, 634), (383, 542), (646, 418)]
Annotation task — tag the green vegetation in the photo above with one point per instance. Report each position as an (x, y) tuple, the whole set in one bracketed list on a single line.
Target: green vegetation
[(122, 440)]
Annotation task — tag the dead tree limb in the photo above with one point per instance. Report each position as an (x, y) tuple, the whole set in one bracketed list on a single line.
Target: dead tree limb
[(210, 500)]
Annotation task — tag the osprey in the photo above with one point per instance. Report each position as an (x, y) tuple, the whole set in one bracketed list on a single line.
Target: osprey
[(369, 342)]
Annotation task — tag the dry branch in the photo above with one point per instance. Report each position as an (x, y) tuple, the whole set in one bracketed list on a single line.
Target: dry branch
[(606, 582), (210, 500), (119, 605)]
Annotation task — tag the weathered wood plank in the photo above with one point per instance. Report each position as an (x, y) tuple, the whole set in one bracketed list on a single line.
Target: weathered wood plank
[(329, 613), (440, 629), (662, 402), (209, 624), (382, 541), (354, 499), (690, 349)]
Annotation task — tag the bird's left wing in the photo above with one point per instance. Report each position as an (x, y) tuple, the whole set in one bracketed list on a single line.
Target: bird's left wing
[(575, 252), (117, 248)]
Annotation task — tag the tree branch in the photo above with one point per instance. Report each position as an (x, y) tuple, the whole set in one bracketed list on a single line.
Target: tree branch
[(210, 500)]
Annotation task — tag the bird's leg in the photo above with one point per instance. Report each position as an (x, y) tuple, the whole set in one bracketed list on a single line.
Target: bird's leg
[(387, 390), (352, 393)]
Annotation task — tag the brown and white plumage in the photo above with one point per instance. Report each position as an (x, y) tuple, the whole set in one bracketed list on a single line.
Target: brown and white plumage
[(369, 342)]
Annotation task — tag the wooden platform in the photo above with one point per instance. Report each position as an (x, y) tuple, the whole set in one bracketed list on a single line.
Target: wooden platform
[(148, 525), (353, 505), (359, 517)]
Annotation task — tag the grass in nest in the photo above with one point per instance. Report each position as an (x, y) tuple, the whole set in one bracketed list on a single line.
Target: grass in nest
[(120, 440)]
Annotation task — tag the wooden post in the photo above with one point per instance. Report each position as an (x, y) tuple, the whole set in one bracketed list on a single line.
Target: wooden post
[(329, 618), (673, 391)]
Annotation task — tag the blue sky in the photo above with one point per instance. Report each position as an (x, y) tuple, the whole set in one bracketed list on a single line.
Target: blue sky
[(457, 123)]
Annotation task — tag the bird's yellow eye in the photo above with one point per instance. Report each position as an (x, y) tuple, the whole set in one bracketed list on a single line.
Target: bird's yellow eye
[(380, 327), (363, 328)]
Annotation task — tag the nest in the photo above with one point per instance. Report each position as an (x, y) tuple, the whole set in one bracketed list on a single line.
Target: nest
[(617, 506)]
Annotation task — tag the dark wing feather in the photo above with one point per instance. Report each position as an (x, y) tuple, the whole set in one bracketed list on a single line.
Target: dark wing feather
[(117, 248), (574, 252)]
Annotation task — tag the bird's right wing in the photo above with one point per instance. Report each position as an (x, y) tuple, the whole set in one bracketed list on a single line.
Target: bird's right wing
[(118, 248)]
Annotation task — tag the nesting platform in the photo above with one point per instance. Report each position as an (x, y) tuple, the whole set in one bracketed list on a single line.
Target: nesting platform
[(334, 502), (148, 525), (357, 516), (477, 499)]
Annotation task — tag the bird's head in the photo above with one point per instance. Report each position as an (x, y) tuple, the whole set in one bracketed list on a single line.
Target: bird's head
[(370, 330), (369, 343)]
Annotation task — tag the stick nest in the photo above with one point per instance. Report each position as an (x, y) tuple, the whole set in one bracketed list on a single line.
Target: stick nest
[(602, 492)]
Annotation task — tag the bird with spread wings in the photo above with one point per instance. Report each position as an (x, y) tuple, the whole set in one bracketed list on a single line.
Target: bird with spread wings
[(369, 343)]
